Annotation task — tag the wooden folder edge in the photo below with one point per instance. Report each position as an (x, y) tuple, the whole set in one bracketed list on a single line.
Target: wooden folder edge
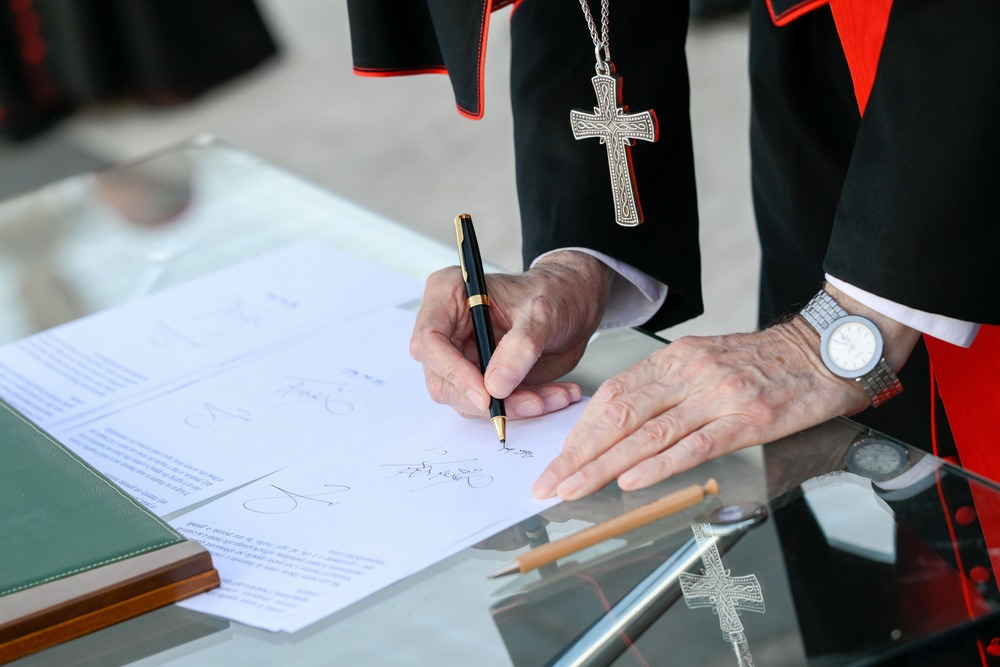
[(64, 609)]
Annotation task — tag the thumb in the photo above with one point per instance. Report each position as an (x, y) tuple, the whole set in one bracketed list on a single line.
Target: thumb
[(515, 355)]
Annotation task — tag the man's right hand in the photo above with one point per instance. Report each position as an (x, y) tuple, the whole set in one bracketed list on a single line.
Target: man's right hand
[(542, 320)]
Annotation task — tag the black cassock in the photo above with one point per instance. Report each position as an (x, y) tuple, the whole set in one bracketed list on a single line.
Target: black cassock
[(905, 204)]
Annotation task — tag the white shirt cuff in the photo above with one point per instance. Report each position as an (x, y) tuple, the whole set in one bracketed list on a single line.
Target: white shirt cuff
[(948, 329), (635, 296)]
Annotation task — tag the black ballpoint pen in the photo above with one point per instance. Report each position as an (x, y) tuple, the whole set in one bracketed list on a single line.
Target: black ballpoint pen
[(479, 309)]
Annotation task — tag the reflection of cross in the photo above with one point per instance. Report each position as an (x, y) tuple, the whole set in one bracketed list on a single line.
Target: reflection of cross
[(727, 596), (618, 129)]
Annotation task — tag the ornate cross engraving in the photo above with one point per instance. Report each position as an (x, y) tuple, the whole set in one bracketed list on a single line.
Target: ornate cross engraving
[(618, 130), (727, 596)]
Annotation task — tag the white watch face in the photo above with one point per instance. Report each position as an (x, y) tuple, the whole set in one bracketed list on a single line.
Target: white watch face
[(852, 346)]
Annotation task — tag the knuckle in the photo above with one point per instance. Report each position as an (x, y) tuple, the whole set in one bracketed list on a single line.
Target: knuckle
[(436, 389), (621, 414), (543, 308), (573, 457), (658, 432), (446, 275), (612, 390), (737, 384), (417, 347), (701, 445), (697, 358), (450, 378), (695, 347)]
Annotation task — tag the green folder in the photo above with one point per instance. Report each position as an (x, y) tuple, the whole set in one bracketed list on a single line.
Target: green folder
[(77, 553)]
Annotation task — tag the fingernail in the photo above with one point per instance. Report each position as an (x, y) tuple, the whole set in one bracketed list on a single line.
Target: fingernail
[(500, 382), (630, 479), (478, 399), (576, 394), (528, 408), (556, 401), (543, 486), (570, 486)]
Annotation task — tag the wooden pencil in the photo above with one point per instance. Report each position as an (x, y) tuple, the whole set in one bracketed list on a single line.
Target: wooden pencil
[(665, 506)]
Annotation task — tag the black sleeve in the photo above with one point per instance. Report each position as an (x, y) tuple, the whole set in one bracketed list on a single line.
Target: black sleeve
[(919, 217), (564, 184)]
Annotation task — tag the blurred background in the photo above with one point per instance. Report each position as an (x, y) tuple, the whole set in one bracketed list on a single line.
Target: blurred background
[(399, 147)]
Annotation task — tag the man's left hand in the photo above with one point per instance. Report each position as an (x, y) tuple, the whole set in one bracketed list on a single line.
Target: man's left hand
[(700, 398)]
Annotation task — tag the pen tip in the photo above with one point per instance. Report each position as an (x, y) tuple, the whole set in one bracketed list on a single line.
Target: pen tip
[(500, 424), (513, 568)]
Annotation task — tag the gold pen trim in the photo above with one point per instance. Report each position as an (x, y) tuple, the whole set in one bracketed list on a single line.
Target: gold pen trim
[(460, 236), (478, 300)]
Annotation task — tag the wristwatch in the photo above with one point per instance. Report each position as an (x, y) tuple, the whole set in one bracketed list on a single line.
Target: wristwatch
[(851, 347)]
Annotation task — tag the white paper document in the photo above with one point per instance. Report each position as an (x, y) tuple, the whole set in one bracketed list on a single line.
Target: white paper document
[(195, 390), (247, 420), (107, 361), (285, 381), (314, 538)]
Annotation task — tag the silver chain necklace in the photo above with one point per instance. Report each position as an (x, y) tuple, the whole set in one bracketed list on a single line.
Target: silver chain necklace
[(601, 43), (612, 124)]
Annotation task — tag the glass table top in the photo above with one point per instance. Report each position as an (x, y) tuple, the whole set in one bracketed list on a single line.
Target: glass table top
[(835, 546)]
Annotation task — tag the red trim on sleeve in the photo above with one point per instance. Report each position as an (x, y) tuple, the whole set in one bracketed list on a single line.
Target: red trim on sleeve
[(861, 25), (786, 16), (468, 114), (484, 32), (480, 68), (389, 71)]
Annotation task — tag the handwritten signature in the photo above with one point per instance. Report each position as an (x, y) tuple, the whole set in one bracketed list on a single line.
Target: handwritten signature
[(471, 476), (522, 453), (308, 390), (228, 313), (165, 335), (213, 414), (364, 377), (289, 500)]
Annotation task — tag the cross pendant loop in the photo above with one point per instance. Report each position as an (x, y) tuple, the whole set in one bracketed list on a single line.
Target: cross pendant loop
[(603, 55)]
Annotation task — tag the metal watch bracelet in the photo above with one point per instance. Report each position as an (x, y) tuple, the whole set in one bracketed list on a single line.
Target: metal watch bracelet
[(881, 383)]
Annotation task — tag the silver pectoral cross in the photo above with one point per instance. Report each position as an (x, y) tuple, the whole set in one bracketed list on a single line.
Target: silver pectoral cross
[(618, 130)]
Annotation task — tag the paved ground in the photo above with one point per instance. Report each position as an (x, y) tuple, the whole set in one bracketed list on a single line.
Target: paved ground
[(399, 147)]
